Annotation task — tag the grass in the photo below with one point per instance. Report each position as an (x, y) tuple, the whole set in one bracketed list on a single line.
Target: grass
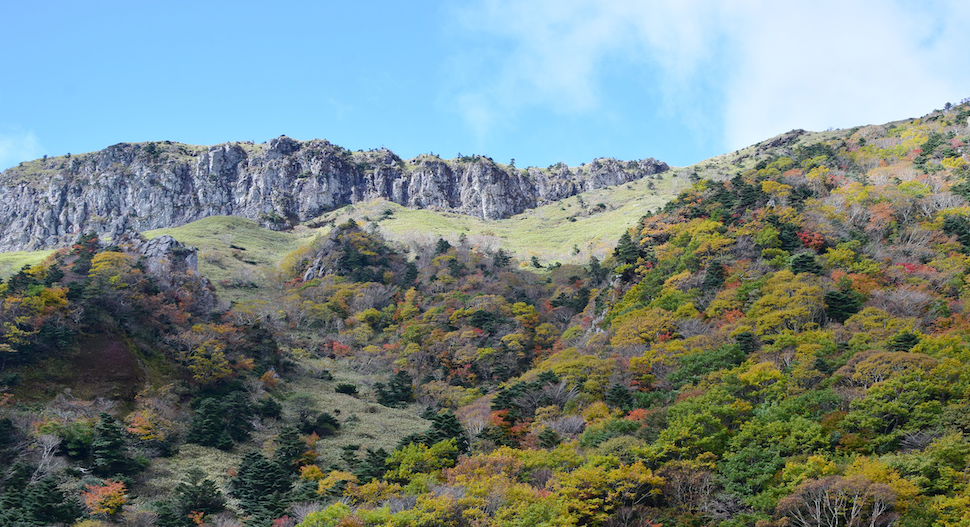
[(11, 263), (234, 252), (567, 231), (362, 421)]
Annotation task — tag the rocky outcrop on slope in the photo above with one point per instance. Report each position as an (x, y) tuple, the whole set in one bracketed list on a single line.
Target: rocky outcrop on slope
[(49, 202)]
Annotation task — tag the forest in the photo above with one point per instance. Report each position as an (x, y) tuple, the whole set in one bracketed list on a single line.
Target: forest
[(784, 345)]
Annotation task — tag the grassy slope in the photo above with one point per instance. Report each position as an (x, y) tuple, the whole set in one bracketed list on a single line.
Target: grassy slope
[(235, 250), (590, 223), (10, 263)]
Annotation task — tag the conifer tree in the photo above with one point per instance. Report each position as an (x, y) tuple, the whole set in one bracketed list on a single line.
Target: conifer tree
[(289, 449), (626, 251), (198, 493), (261, 486), (45, 504), (208, 426), (108, 447), (372, 466)]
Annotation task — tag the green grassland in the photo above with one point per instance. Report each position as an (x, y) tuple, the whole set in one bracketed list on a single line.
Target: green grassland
[(567, 231), (234, 253), (12, 262)]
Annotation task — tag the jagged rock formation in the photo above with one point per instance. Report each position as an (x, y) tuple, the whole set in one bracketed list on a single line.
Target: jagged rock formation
[(48, 202)]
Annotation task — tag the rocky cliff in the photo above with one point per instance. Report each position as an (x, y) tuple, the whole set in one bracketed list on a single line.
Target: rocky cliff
[(49, 202)]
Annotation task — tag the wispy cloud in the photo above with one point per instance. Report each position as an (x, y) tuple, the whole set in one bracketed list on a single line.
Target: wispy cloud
[(18, 145), (772, 65), (838, 64)]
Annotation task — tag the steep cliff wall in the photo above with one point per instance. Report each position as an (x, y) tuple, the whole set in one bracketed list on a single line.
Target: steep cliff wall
[(48, 202)]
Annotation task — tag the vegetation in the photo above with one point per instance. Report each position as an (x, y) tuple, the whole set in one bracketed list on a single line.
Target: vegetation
[(786, 344)]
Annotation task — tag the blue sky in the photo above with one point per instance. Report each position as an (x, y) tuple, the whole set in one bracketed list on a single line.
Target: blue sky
[(538, 81)]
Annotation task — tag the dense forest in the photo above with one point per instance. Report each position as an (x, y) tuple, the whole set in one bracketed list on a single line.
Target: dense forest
[(784, 345)]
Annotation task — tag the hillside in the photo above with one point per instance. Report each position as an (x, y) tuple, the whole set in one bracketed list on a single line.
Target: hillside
[(784, 343), (47, 203)]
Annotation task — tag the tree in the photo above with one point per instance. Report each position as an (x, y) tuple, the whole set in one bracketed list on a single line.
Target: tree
[(626, 251), (261, 486), (45, 504), (442, 246), (805, 263), (198, 494), (397, 392), (289, 449), (842, 304), (107, 498), (837, 501), (501, 259), (788, 301), (619, 396), (108, 447), (208, 426)]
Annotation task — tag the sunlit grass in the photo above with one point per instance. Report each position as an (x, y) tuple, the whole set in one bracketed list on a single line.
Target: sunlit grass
[(11, 263)]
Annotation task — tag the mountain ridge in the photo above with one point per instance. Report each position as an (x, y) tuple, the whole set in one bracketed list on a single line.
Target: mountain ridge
[(143, 186)]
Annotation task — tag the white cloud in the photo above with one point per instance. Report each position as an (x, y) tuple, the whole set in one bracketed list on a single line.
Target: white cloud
[(840, 64), (16, 146), (774, 65)]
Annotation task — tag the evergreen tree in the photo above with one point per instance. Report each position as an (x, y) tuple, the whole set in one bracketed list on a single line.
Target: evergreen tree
[(842, 304), (626, 251), (805, 263), (348, 454), (410, 273), (108, 447), (324, 425), (619, 396), (45, 504), (903, 341), (398, 392), (714, 278), (442, 246), (198, 493), (261, 486), (373, 466), (446, 425), (548, 438), (596, 271), (746, 342), (208, 426), (289, 449), (501, 259), (238, 412)]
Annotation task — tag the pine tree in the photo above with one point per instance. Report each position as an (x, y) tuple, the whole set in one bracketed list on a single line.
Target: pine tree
[(398, 392), (45, 504), (208, 426), (442, 246), (238, 412), (619, 396), (108, 447), (714, 278), (805, 263), (903, 341), (198, 493), (446, 425), (373, 466), (548, 438), (289, 449), (626, 251), (501, 259), (261, 486)]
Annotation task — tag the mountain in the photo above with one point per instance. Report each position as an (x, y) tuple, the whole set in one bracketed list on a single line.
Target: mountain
[(49, 202), (786, 342)]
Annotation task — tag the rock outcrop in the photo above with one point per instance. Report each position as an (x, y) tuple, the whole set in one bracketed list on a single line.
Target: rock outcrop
[(49, 202)]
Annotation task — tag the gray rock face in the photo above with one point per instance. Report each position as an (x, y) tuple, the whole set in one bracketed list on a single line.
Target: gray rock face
[(49, 202)]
